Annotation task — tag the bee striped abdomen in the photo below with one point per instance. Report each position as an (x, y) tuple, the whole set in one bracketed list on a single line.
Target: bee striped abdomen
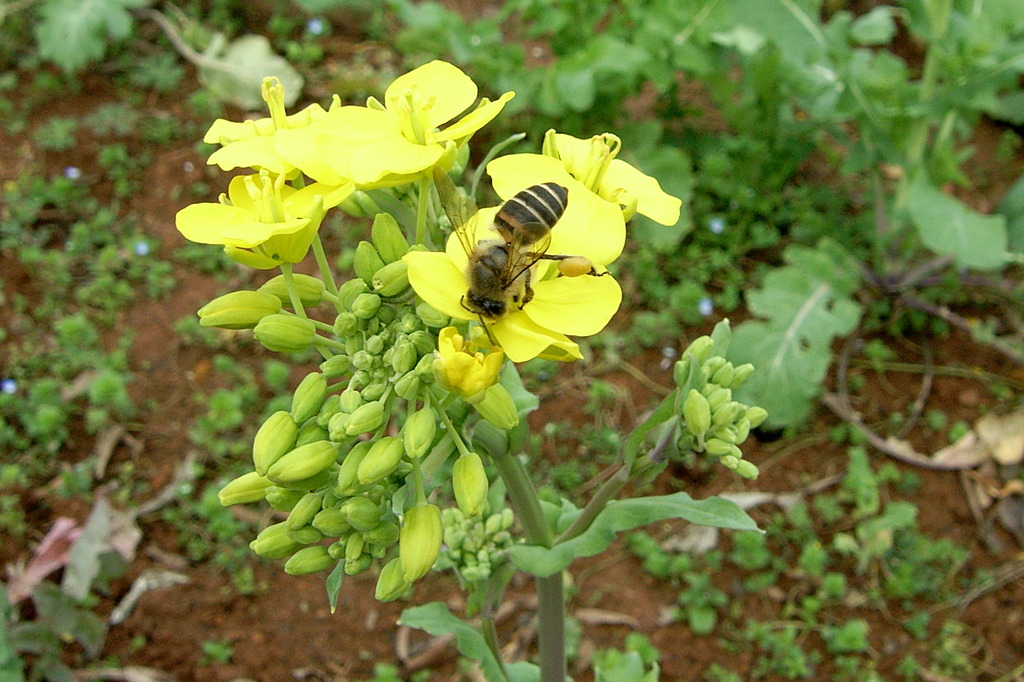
[(530, 214)]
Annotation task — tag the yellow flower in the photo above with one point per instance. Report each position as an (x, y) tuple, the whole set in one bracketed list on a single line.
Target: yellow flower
[(256, 144), (463, 369), (591, 162), (561, 306), (382, 145), (261, 221)]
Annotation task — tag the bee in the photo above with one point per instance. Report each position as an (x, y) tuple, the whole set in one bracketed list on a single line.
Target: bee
[(500, 270)]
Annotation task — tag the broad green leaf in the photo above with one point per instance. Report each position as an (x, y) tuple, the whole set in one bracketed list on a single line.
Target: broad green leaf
[(625, 515), (10, 664), (1012, 208), (804, 306), (435, 619), (950, 228), (236, 76), (793, 25), (73, 33), (626, 667), (877, 27)]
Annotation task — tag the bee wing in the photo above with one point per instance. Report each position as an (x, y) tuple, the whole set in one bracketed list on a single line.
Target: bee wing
[(457, 207), (524, 260)]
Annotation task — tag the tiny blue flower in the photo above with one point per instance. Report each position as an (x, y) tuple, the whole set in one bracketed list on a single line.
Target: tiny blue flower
[(705, 306), (141, 248), (72, 172), (315, 26), (8, 386), (716, 224)]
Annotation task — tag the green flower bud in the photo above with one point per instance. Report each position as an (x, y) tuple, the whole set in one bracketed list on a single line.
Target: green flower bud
[(392, 279), (309, 289), (375, 389), (331, 407), (250, 487), (366, 306), (367, 261), (304, 511), (716, 396), (498, 408), (363, 360), (742, 429), (700, 349), (313, 482), (285, 333), (331, 522), (756, 416), (336, 427), (283, 499), (336, 366), (408, 387), (424, 343), (381, 460), (238, 310), (718, 447), (359, 204), (367, 417), (431, 317), (404, 357), (418, 432), (358, 565), (274, 543), (348, 291), (469, 480), (712, 365), (747, 469), (306, 535), (303, 462), (384, 534), (388, 238), (354, 544), (348, 473), (378, 343), (726, 414), (697, 413), (361, 513), (741, 374), (681, 371), (729, 461), (346, 325), (273, 439), (309, 396), (308, 560), (723, 376), (391, 584), (420, 541)]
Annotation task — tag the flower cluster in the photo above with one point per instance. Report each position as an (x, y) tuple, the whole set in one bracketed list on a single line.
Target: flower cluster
[(406, 367)]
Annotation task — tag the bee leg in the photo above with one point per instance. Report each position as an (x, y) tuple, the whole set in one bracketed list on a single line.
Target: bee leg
[(527, 290), (487, 330)]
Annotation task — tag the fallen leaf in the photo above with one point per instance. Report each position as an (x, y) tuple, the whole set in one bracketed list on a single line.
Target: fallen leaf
[(1004, 435)]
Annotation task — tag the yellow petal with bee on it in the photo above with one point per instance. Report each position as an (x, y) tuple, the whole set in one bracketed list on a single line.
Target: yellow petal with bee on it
[(522, 340), (578, 306), (590, 226), (442, 89), (439, 282), (651, 200)]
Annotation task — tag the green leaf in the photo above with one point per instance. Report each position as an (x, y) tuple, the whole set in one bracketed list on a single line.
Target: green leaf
[(73, 33), (792, 25), (435, 619), (10, 664), (625, 515), (804, 305), (950, 228), (624, 667), (237, 74), (333, 584), (877, 27), (84, 556), (1012, 208)]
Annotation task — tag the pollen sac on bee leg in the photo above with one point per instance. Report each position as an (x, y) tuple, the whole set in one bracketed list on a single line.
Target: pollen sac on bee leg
[(576, 266)]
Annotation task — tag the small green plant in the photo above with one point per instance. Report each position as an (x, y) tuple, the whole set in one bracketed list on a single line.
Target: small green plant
[(216, 651)]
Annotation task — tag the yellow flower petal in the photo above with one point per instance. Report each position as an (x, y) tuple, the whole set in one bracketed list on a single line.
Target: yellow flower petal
[(438, 281), (440, 88), (579, 306), (253, 260), (207, 223), (523, 340), (302, 201), (310, 150), (374, 160), (463, 129), (252, 152), (512, 173), (652, 201)]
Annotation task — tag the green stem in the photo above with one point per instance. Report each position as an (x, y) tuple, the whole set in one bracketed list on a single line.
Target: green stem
[(325, 267), (421, 210), (293, 292), (524, 499), (599, 501)]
